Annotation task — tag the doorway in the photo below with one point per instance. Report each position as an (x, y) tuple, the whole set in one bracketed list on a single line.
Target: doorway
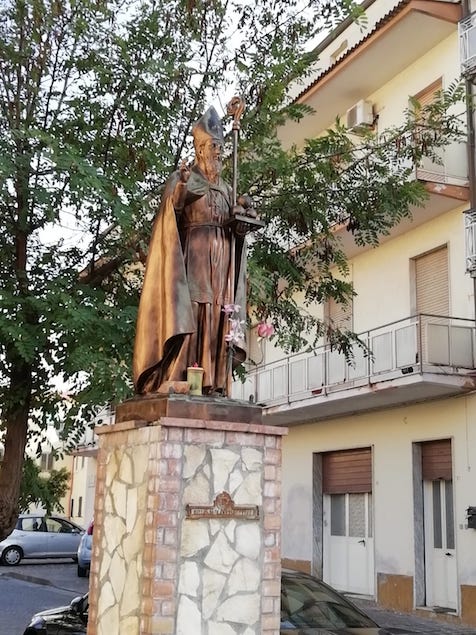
[(440, 552), (348, 542), (436, 584), (348, 547)]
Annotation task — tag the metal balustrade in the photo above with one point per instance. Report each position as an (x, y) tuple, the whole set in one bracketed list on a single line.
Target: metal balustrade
[(470, 241), (418, 344), (467, 45)]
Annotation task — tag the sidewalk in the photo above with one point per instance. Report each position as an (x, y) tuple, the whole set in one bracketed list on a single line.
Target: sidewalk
[(408, 623)]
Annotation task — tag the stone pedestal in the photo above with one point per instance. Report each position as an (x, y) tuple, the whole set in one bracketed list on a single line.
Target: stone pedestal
[(168, 556)]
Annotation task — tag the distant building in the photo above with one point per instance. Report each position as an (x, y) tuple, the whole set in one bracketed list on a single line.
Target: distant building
[(49, 455), (83, 470)]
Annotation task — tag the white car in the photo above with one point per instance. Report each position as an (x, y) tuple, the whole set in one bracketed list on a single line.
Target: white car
[(38, 536), (84, 551)]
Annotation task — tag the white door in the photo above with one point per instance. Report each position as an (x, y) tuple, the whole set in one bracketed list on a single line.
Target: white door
[(348, 553), (440, 555)]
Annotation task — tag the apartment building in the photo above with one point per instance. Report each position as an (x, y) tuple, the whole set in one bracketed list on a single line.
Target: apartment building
[(379, 467)]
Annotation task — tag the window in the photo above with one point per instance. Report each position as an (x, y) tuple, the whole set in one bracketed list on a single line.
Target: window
[(46, 461), (71, 508), (57, 526), (340, 314), (338, 515), (429, 94), (31, 523), (432, 282), (428, 170), (80, 506)]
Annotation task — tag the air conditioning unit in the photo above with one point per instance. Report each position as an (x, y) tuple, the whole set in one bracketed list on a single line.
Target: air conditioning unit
[(360, 116)]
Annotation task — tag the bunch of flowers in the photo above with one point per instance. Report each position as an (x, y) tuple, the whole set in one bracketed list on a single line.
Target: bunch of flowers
[(236, 332), (265, 330)]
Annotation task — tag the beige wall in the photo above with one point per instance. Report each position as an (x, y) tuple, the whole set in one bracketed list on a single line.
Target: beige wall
[(83, 485), (383, 280), (390, 433)]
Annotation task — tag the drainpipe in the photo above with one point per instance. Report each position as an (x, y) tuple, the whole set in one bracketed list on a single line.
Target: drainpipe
[(470, 145)]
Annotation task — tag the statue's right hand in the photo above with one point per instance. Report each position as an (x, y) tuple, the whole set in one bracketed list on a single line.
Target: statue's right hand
[(184, 171)]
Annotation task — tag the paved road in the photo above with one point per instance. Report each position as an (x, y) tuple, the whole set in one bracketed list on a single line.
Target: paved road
[(29, 588)]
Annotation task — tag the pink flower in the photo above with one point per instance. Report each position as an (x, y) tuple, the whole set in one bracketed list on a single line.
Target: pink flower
[(229, 309), (265, 329)]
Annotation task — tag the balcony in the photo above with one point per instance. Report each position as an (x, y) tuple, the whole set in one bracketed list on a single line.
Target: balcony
[(416, 359)]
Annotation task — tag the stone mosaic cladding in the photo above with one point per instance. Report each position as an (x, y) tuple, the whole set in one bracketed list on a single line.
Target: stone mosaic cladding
[(154, 571)]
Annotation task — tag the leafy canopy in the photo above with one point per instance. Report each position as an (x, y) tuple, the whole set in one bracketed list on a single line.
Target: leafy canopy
[(45, 491), (97, 101)]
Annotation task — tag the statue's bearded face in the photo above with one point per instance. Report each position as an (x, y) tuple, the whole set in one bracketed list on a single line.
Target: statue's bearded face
[(209, 158)]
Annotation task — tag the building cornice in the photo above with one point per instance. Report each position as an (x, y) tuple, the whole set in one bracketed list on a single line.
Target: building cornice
[(447, 11)]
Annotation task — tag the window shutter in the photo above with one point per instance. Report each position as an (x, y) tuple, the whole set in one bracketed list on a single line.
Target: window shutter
[(347, 471), (428, 94), (429, 170), (340, 314), (436, 460), (431, 281)]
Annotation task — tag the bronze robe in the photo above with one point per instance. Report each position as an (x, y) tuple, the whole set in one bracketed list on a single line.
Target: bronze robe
[(186, 284)]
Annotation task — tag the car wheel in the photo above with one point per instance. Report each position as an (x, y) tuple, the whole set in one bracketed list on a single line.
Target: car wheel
[(82, 571), (12, 555)]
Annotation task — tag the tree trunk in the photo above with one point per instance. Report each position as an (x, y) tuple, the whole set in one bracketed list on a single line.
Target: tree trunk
[(16, 421)]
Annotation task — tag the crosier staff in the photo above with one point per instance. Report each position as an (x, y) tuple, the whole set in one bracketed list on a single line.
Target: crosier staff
[(235, 108), (243, 220)]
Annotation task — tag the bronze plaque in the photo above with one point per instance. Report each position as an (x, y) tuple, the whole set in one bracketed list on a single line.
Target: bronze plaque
[(223, 507)]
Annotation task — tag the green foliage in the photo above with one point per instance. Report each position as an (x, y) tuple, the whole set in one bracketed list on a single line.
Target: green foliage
[(97, 101), (44, 491), (363, 183)]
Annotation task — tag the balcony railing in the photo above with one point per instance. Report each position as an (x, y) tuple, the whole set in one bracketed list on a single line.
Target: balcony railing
[(470, 241), (418, 344), (467, 45)]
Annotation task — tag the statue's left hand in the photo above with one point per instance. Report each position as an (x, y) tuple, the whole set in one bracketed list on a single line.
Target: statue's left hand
[(245, 207)]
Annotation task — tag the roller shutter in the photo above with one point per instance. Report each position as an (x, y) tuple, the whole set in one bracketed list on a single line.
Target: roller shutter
[(431, 282), (340, 314), (347, 471), (436, 460), (429, 170)]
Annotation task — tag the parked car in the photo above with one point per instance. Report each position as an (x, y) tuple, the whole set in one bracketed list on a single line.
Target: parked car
[(63, 620), (84, 551), (307, 606), (38, 536)]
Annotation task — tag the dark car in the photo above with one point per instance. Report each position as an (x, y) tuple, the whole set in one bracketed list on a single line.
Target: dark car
[(39, 536), (64, 620), (307, 606)]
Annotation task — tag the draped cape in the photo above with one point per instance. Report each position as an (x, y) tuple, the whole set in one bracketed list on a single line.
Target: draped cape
[(165, 314)]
